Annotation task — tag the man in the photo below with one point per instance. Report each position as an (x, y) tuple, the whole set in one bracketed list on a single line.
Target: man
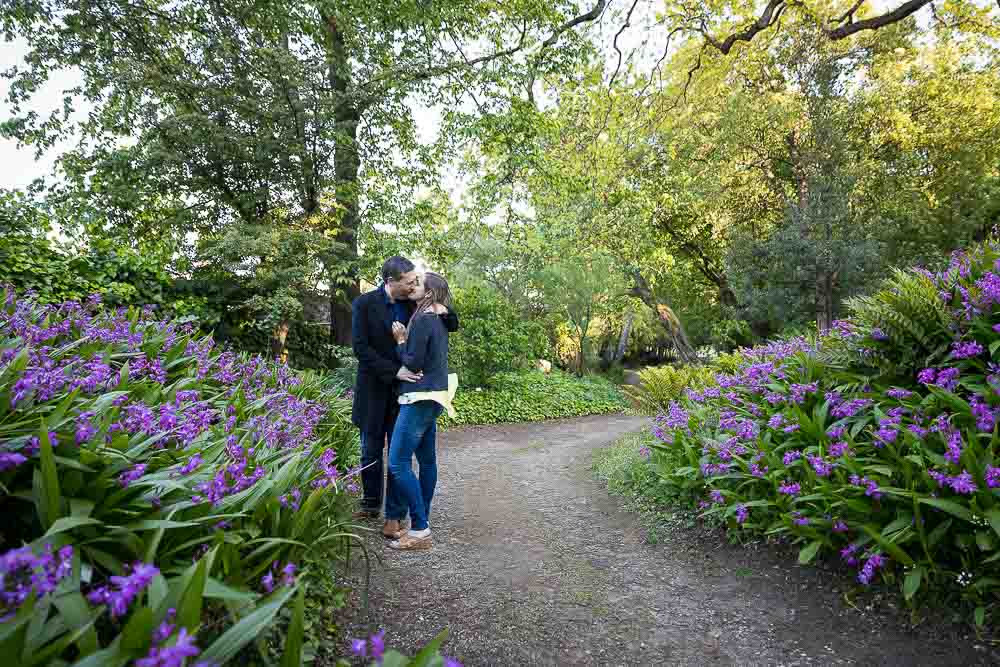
[(380, 374)]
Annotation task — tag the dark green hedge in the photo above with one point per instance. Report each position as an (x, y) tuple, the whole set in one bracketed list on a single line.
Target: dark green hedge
[(528, 396)]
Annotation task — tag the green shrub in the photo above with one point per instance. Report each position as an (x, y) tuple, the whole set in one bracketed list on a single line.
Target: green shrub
[(851, 447), (663, 384), (144, 471), (528, 396), (492, 338)]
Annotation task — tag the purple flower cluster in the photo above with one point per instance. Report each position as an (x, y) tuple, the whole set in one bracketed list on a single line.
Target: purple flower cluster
[(22, 573), (966, 350), (821, 467), (132, 474), (228, 480), (963, 483), (287, 576), (791, 457), (871, 486), (850, 408), (174, 655), (790, 488), (946, 378), (742, 513), (122, 590), (872, 565)]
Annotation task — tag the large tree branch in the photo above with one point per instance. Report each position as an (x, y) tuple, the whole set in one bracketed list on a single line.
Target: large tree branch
[(850, 27), (839, 28), (770, 15)]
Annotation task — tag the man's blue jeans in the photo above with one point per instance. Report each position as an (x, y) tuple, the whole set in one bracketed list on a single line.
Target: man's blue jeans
[(415, 435)]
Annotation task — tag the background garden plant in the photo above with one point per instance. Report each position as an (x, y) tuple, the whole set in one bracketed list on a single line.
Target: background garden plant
[(876, 442), (165, 499)]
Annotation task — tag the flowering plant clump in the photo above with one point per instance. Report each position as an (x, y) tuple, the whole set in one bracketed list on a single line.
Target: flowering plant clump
[(373, 651), (151, 478), (851, 447)]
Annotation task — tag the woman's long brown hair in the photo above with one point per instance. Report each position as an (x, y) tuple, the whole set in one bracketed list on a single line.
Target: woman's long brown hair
[(435, 291)]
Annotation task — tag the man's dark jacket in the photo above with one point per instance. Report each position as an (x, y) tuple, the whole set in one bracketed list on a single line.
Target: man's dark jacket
[(377, 388)]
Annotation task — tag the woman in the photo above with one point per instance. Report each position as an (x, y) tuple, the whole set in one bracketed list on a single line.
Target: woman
[(423, 348)]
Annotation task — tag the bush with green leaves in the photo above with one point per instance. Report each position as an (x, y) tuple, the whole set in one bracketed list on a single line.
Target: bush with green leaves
[(660, 385), (877, 443), (493, 337), (163, 498), (528, 396)]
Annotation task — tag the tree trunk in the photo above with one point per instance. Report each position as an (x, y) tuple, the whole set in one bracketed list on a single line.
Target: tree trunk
[(278, 337), (666, 316), (346, 166), (623, 341)]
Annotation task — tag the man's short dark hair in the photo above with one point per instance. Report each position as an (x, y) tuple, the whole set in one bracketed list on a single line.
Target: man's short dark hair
[(395, 267)]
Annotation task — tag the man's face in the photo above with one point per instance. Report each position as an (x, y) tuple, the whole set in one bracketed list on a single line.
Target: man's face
[(404, 287)]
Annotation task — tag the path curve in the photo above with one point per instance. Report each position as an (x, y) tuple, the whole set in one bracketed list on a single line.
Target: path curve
[(535, 564)]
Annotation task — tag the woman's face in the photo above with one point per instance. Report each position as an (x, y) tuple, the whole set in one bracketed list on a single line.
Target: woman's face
[(418, 290)]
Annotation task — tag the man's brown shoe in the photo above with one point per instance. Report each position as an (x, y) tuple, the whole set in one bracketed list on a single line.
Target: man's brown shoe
[(393, 529)]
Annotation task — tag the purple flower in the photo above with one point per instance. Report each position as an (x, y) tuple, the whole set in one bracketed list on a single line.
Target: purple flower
[(131, 475), (166, 628), (996, 328), (839, 448), (10, 460), (789, 488), (791, 457), (741, 514), (451, 662), (926, 376), (359, 647), (717, 497), (377, 642), (791, 428), (967, 350), (848, 554), (776, 421), (123, 590), (171, 656), (850, 408), (22, 573), (963, 483), (947, 379), (822, 468), (993, 477), (874, 562), (799, 520), (839, 526), (878, 334), (898, 393), (836, 432), (191, 465), (267, 581)]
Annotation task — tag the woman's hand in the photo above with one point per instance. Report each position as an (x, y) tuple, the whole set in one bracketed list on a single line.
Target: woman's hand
[(399, 332), (437, 309)]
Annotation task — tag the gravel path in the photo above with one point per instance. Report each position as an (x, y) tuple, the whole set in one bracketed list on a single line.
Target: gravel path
[(535, 564)]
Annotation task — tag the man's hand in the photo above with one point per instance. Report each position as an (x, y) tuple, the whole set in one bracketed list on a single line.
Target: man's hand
[(399, 332), (406, 375)]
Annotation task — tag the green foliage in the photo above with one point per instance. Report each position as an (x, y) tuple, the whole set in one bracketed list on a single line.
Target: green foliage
[(493, 337), (662, 385), (535, 396), (909, 311), (128, 439), (843, 446)]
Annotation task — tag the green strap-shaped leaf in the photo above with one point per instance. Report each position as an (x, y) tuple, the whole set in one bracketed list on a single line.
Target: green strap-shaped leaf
[(293, 643), (423, 658), (235, 638), (51, 496)]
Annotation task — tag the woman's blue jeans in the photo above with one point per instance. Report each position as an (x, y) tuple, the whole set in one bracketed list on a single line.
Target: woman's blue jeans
[(415, 435)]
